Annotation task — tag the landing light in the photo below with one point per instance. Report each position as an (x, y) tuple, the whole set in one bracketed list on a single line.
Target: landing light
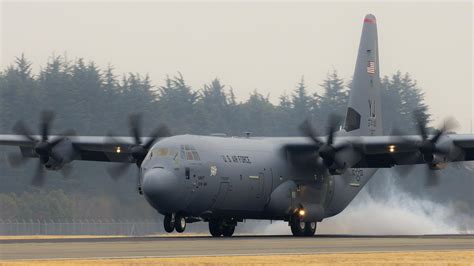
[(118, 150), (392, 148), (301, 212)]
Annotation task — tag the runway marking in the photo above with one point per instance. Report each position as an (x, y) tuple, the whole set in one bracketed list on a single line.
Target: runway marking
[(234, 255), (185, 247)]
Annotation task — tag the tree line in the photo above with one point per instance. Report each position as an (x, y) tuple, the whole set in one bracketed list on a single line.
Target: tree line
[(94, 101)]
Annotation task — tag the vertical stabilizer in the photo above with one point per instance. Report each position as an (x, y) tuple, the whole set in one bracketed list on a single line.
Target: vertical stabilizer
[(364, 114)]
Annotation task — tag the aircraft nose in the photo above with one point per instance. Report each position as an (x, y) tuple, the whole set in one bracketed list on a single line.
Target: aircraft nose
[(162, 190)]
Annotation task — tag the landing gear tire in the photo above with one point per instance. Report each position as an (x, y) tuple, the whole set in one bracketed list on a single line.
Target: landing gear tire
[(300, 228), (168, 223), (310, 228), (215, 227), (179, 223), (228, 231), (297, 227)]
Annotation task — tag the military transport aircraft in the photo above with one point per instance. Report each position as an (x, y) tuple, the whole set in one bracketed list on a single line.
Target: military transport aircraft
[(224, 180)]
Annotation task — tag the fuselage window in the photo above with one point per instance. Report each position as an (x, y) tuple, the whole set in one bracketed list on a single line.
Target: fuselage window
[(189, 155)]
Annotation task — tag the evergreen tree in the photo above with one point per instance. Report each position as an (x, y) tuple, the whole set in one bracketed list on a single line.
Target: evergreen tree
[(258, 116), (334, 99), (177, 100), (18, 94), (401, 97), (214, 108), (301, 102)]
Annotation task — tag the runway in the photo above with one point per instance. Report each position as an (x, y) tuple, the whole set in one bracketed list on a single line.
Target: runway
[(138, 247)]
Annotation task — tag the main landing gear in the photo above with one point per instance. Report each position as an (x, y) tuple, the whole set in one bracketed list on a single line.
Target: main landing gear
[(221, 227), (300, 228), (174, 222)]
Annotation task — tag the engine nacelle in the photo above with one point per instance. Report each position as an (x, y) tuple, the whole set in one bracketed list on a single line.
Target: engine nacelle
[(435, 159), (436, 162), (65, 152), (438, 166)]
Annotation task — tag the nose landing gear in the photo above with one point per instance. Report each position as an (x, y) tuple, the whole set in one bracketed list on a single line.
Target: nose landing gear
[(300, 228)]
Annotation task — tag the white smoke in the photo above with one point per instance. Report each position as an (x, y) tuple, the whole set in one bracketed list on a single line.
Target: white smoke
[(398, 213)]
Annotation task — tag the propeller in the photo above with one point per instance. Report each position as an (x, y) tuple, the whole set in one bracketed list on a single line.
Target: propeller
[(326, 149), (427, 148), (43, 145), (138, 150)]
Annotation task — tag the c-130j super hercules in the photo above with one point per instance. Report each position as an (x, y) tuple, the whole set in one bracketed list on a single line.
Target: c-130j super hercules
[(224, 180)]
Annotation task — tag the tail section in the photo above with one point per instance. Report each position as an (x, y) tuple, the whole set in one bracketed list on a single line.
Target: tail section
[(364, 113)]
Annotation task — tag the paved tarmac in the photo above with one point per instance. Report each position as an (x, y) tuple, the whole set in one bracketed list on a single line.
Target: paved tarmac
[(161, 246)]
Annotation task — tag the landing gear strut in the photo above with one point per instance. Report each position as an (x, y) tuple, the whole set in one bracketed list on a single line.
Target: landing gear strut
[(220, 227), (300, 228)]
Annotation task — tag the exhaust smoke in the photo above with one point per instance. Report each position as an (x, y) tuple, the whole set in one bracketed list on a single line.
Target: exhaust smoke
[(396, 213)]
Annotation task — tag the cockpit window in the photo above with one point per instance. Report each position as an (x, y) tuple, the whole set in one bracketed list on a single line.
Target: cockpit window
[(188, 152), (164, 152)]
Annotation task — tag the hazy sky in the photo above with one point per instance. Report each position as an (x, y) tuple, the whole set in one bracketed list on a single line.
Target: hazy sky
[(262, 45)]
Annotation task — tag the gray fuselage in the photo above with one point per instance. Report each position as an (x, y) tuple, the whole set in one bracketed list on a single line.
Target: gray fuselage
[(243, 178)]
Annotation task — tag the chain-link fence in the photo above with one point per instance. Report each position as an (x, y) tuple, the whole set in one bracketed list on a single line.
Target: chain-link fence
[(79, 227)]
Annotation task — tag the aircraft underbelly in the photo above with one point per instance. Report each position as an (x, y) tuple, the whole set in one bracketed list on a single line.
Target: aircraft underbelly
[(346, 188)]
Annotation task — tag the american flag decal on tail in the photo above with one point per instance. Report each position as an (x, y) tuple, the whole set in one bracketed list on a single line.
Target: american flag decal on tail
[(371, 67)]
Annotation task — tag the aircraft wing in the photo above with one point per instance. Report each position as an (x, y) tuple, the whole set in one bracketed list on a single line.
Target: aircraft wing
[(389, 151), (87, 148)]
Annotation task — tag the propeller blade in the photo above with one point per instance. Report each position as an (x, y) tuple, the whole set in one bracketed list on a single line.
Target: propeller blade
[(56, 141), (55, 156), (161, 132), (45, 125), (342, 147), (20, 129), (38, 178), (135, 125), (16, 159), (404, 170), (432, 177), (333, 122), (66, 170), (330, 138), (307, 129), (406, 158), (421, 124), (118, 171), (436, 137), (448, 125), (114, 140)]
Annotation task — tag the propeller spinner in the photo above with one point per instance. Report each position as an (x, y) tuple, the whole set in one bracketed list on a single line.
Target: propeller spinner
[(428, 148), (327, 150), (138, 149)]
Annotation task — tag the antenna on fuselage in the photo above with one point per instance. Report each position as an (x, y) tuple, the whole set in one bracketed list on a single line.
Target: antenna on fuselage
[(247, 134)]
